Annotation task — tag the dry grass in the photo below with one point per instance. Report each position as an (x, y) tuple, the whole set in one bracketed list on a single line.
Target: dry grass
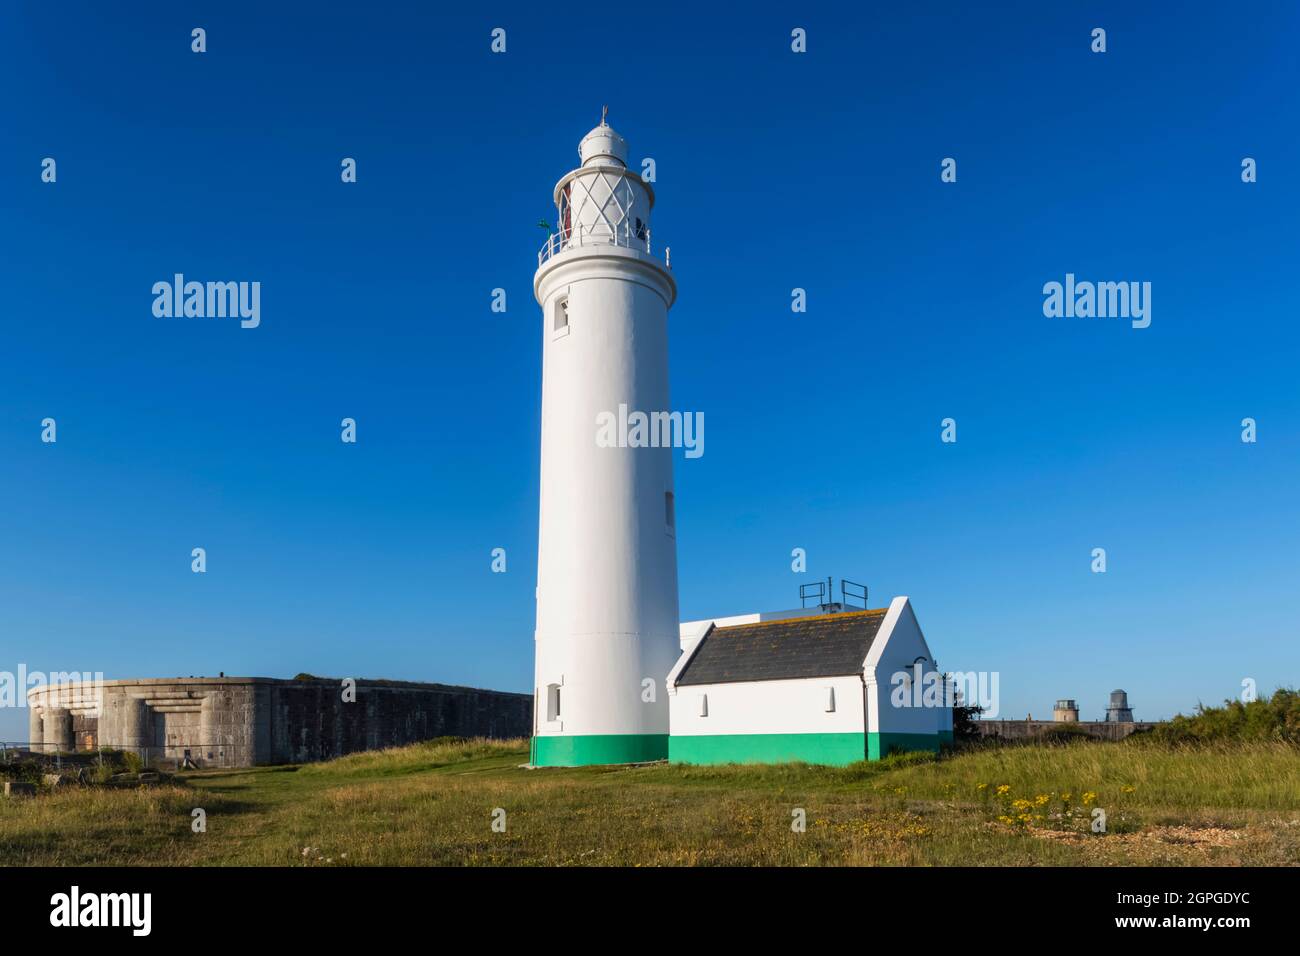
[(1260, 776), (433, 804)]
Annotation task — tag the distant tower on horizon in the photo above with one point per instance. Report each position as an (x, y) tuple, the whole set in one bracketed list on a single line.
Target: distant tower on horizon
[(1119, 711), (1066, 711), (607, 621)]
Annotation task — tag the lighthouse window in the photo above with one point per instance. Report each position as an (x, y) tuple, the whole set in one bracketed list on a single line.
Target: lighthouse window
[(561, 326), (552, 701)]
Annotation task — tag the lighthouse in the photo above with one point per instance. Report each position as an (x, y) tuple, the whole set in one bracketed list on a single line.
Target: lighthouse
[(607, 624)]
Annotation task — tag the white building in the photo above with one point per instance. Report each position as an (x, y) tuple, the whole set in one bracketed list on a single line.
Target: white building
[(829, 688), (607, 559), (764, 687)]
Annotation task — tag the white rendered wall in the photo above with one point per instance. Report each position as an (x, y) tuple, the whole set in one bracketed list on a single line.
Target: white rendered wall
[(769, 707), (898, 644), (607, 614)]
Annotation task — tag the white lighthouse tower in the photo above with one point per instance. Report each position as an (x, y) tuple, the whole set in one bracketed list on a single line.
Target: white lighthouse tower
[(607, 627)]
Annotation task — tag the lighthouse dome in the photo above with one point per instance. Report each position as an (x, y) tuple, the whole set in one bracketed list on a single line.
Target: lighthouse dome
[(601, 145)]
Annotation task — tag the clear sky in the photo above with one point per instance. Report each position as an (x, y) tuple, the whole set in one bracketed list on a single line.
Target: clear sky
[(775, 170)]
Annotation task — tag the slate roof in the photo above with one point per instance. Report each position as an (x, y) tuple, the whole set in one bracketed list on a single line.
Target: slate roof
[(827, 645)]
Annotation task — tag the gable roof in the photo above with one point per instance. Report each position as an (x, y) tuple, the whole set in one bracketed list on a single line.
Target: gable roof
[(828, 645)]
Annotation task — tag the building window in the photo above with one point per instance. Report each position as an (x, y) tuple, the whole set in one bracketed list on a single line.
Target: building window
[(830, 700), (560, 324), (704, 705), (670, 516), (552, 702)]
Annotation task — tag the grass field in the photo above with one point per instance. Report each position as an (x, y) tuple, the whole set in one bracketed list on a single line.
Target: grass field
[(433, 803)]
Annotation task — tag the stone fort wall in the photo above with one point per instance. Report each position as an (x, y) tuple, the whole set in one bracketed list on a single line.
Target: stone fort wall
[(1028, 729), (245, 721)]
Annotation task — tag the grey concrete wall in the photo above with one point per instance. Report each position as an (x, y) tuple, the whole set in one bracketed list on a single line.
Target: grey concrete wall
[(224, 731), (58, 729), (1027, 729), (85, 729), (35, 729), (239, 722), (309, 720)]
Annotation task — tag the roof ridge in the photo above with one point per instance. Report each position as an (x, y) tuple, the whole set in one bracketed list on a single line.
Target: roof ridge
[(803, 619)]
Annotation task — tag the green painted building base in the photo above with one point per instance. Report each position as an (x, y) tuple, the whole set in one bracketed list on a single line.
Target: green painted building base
[(834, 749), (882, 744), (585, 750)]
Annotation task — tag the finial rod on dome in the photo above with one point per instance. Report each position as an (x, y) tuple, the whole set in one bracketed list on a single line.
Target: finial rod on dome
[(602, 144)]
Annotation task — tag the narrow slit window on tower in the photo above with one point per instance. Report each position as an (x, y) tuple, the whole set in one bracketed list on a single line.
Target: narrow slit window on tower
[(552, 702), (561, 325), (670, 519)]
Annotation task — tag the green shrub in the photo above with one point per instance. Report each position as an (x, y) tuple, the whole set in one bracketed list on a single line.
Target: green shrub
[(1275, 718), (101, 771), (22, 771), (1063, 734)]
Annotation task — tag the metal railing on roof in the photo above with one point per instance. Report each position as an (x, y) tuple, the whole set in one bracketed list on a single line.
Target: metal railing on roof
[(849, 589), (816, 590), (824, 593)]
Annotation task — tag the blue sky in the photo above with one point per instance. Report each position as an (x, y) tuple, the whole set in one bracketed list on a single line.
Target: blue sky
[(775, 171)]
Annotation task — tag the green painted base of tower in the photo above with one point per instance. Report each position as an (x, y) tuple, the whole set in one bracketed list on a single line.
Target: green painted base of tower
[(588, 750)]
